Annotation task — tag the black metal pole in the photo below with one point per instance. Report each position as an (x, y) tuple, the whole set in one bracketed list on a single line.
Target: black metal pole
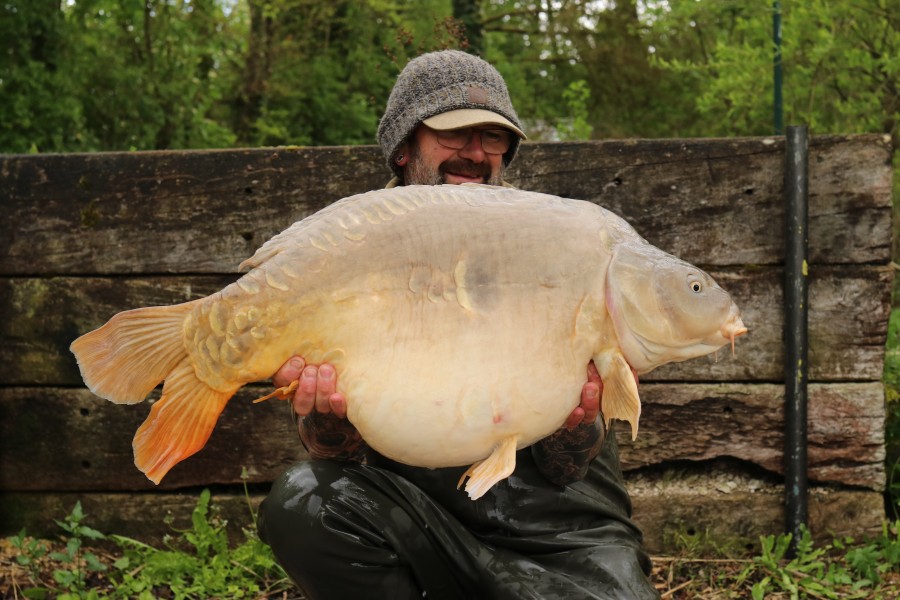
[(796, 274)]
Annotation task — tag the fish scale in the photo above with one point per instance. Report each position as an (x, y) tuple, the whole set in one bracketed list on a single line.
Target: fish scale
[(435, 304)]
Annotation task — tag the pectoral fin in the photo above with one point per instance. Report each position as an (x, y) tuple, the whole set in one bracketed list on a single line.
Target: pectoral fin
[(485, 473), (620, 393), (282, 393)]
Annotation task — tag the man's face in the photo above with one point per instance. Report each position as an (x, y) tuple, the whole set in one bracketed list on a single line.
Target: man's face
[(430, 163)]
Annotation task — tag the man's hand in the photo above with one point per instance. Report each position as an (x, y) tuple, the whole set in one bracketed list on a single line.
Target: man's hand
[(324, 429), (587, 411), (317, 388)]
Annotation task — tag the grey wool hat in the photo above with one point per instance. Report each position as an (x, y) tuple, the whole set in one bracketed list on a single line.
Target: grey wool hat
[(463, 88)]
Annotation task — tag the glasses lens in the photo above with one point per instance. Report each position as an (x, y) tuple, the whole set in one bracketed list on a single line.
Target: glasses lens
[(454, 138), (493, 141)]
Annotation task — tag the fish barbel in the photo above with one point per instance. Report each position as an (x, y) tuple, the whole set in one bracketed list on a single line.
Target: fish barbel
[(438, 306)]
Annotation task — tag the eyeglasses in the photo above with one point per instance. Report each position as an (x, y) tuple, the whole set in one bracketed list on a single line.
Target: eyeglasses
[(493, 141)]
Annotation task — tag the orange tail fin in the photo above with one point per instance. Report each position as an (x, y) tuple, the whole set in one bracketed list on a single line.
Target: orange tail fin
[(126, 358), (179, 423), (135, 350)]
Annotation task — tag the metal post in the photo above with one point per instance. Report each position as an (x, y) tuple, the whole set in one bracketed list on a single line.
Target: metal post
[(796, 274), (777, 102)]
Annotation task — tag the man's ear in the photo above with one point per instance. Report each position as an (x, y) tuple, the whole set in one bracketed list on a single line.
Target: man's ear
[(402, 155)]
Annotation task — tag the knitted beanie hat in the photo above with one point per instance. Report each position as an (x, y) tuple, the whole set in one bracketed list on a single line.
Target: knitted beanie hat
[(440, 82)]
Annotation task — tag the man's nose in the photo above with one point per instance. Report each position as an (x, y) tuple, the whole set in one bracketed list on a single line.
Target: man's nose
[(473, 150)]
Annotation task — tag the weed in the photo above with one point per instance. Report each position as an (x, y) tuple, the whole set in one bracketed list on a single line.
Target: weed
[(73, 563), (196, 563), (200, 563), (206, 567), (823, 572), (30, 552)]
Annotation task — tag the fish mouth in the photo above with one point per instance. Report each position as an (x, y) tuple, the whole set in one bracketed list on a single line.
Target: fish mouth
[(733, 328)]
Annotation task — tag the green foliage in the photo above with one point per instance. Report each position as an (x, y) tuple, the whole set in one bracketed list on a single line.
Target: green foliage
[(839, 59), (86, 75), (30, 553), (76, 561), (842, 569), (892, 423), (201, 563), (576, 126), (198, 563)]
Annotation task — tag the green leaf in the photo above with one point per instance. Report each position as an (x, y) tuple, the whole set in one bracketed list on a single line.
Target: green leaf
[(93, 563), (64, 578), (90, 533), (758, 591)]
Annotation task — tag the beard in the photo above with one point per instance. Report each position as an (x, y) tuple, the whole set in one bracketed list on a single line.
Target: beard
[(418, 172)]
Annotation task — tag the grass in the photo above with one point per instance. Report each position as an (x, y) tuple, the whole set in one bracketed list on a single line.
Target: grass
[(196, 563), (200, 563)]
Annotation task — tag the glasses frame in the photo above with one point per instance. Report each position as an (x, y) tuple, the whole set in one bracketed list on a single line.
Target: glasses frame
[(457, 139)]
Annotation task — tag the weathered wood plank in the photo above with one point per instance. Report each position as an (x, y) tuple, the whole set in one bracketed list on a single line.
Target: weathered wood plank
[(158, 212), (201, 212), (703, 422), (42, 316), (719, 201), (733, 517), (56, 438), (733, 511), (849, 309)]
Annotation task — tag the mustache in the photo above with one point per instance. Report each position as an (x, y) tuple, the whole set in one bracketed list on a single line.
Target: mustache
[(466, 167)]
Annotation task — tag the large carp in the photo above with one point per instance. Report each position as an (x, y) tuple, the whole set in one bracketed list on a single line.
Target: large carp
[(440, 308)]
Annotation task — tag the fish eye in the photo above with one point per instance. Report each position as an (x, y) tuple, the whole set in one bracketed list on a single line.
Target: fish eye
[(696, 287)]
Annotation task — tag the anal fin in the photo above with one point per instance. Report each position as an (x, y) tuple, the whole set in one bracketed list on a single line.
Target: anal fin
[(485, 473)]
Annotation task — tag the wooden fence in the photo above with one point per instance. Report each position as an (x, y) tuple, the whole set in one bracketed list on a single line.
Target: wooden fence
[(86, 236)]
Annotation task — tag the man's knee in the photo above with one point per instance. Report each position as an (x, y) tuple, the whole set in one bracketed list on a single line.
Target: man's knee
[(293, 502)]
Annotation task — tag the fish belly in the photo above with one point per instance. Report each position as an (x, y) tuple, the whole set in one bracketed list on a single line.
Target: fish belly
[(444, 387)]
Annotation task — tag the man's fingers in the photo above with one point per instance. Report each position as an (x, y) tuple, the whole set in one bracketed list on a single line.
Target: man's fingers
[(305, 396), (338, 405), (575, 418), (590, 401), (289, 371), (592, 373), (325, 387), (316, 390)]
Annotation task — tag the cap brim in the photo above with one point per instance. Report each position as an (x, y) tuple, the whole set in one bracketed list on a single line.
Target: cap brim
[(470, 117)]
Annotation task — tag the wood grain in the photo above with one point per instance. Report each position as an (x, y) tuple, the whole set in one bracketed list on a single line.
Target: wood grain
[(58, 438), (849, 309), (711, 202)]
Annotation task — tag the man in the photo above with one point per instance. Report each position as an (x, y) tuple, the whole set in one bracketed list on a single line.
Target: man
[(353, 524)]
